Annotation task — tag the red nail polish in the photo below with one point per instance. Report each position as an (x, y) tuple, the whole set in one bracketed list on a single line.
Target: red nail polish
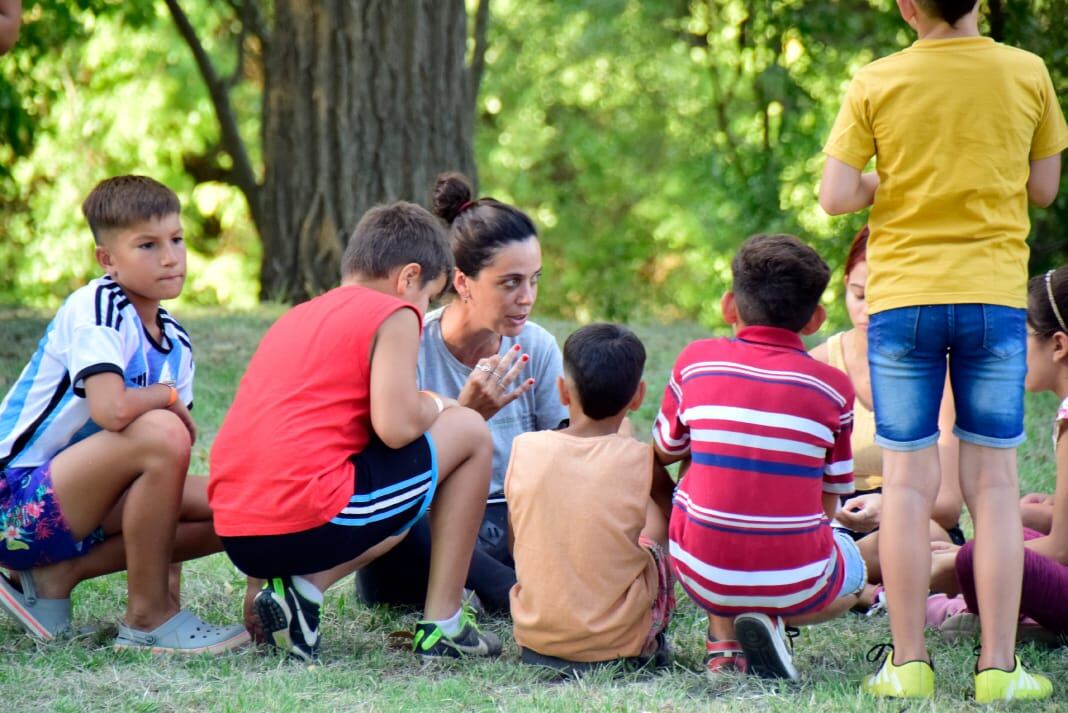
[(526, 358), (516, 347)]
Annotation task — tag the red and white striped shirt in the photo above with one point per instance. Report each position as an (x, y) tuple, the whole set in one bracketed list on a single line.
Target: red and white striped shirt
[(767, 431)]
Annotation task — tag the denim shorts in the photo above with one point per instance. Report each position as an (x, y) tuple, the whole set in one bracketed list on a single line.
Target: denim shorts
[(856, 571), (985, 348)]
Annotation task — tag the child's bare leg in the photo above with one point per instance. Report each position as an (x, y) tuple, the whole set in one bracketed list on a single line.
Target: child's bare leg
[(465, 461), (944, 573), (832, 611), (909, 491), (869, 550), (55, 581), (147, 461), (720, 628), (656, 525), (992, 492)]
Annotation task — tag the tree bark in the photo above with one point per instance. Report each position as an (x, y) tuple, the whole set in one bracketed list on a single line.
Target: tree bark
[(366, 101)]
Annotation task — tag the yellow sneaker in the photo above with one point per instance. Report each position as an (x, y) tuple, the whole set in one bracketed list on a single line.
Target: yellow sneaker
[(912, 679), (994, 684)]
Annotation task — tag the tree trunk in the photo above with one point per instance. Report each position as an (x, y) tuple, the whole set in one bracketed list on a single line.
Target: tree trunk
[(365, 101)]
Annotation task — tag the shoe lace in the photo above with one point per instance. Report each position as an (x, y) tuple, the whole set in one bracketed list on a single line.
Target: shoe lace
[(469, 616), (879, 651)]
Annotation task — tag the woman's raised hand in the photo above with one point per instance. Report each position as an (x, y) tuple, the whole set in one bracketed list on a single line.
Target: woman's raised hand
[(489, 388)]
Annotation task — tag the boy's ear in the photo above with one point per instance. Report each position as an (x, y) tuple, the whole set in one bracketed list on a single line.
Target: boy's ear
[(565, 393), (907, 8), (729, 307), (639, 396), (815, 321), (103, 258), (409, 275)]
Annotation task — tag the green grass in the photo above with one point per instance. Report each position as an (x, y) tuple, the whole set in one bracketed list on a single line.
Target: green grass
[(361, 671)]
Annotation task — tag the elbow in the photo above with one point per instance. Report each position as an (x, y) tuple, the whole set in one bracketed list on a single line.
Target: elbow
[(396, 435), (112, 418), (831, 204), (1041, 196)]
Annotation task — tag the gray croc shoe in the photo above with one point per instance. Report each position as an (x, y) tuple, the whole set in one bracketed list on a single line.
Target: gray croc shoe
[(183, 633), (44, 619)]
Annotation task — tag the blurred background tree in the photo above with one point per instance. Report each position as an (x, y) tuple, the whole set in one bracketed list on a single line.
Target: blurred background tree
[(647, 138)]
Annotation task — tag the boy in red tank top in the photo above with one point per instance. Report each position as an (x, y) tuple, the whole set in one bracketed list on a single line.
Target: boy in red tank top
[(330, 452)]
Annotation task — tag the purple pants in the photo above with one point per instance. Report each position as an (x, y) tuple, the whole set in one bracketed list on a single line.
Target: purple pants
[(1045, 586)]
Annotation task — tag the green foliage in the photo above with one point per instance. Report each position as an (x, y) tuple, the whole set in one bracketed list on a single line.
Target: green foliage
[(104, 88), (647, 139)]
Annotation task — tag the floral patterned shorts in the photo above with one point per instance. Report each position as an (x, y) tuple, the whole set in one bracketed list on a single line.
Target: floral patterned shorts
[(32, 528)]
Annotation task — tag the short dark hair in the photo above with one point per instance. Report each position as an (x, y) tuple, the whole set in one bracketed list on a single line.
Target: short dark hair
[(119, 202), (1047, 297), (605, 363), (948, 10), (478, 228), (391, 236), (778, 281)]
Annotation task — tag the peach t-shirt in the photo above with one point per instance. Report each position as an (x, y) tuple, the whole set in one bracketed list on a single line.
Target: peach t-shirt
[(585, 587)]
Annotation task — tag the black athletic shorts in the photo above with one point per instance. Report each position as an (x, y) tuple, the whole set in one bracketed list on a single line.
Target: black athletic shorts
[(392, 489)]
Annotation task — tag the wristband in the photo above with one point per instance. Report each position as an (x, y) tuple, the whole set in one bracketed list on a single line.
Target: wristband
[(173, 397), (437, 400)]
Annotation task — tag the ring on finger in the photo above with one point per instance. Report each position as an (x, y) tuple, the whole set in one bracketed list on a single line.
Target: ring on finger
[(483, 367)]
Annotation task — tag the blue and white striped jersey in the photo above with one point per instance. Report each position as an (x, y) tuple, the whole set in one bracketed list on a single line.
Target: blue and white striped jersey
[(96, 330)]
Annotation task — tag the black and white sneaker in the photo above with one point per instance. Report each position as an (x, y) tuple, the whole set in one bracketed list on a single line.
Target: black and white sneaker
[(290, 620), (763, 640), (430, 642)]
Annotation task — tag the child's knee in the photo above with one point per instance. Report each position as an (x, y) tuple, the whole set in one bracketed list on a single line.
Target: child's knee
[(468, 427), (162, 434)]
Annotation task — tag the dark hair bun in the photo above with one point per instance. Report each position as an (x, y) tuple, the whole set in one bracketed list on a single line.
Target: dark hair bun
[(451, 191)]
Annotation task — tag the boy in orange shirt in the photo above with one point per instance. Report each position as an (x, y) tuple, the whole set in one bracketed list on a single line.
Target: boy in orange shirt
[(593, 583)]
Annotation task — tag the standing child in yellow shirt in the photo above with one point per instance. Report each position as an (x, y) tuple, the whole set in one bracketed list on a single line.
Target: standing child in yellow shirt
[(964, 131)]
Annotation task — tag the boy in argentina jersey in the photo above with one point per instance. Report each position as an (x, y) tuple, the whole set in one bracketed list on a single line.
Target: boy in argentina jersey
[(95, 437)]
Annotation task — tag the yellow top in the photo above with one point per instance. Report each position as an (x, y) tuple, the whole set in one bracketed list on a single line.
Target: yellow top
[(867, 457), (953, 124), (585, 587)]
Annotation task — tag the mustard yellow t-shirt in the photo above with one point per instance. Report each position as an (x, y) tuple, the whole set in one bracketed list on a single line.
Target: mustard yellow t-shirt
[(953, 124)]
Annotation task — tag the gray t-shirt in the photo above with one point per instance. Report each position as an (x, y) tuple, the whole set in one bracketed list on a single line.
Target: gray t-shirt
[(537, 410)]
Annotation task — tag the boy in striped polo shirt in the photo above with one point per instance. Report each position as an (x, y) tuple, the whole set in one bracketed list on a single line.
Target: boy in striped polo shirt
[(764, 432)]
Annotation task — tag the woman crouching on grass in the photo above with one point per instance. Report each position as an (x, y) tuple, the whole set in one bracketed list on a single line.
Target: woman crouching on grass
[(483, 350)]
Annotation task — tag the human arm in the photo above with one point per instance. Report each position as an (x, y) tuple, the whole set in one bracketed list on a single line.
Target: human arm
[(861, 513), (829, 501), (1055, 544), (10, 18), (1044, 180), (113, 407), (844, 189), (663, 487), (489, 387), (400, 413), (671, 434), (1036, 511)]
